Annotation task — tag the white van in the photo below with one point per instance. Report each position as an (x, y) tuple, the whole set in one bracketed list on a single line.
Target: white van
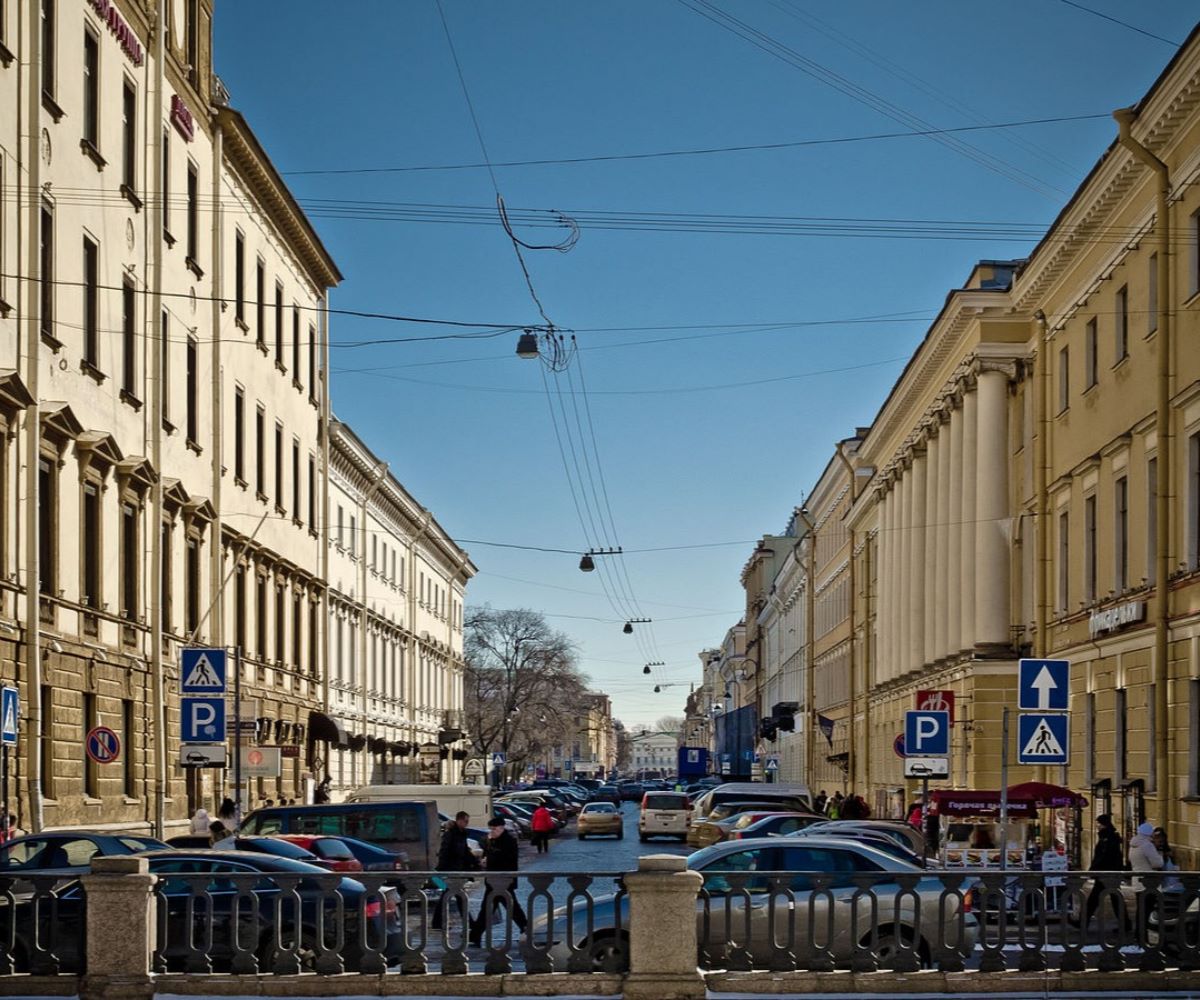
[(473, 799), (665, 814)]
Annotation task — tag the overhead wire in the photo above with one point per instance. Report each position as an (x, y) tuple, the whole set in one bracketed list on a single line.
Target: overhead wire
[(1124, 24)]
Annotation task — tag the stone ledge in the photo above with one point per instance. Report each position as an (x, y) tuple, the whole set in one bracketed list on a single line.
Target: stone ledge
[(392, 984), (38, 986)]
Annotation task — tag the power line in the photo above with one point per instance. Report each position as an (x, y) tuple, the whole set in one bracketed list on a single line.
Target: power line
[(702, 150), (1123, 24)]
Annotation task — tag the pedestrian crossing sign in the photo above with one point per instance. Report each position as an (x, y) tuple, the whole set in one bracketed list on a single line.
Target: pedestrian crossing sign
[(10, 710), (202, 671), (1043, 739)]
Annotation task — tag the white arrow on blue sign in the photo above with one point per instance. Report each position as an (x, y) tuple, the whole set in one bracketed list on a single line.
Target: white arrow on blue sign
[(10, 715), (202, 671), (927, 734), (1044, 685), (1043, 739)]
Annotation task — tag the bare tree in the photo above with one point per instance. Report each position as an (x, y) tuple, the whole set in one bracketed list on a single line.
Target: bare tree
[(668, 724), (523, 688)]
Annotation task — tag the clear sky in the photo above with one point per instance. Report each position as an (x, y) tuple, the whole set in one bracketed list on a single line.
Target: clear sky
[(707, 433)]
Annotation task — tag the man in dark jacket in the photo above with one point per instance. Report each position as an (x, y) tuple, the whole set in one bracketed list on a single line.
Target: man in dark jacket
[(454, 855), (499, 855), (1106, 857)]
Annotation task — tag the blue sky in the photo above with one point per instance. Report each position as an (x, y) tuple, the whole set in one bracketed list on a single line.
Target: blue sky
[(695, 446)]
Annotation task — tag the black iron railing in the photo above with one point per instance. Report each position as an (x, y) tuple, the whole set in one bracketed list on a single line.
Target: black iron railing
[(42, 925)]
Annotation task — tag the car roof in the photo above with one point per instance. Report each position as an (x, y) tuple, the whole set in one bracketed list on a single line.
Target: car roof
[(888, 861)]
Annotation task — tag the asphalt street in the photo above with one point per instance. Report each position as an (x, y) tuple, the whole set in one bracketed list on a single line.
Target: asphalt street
[(598, 854)]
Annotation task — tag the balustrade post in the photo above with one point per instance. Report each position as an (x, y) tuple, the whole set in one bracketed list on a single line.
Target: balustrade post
[(121, 929), (662, 930)]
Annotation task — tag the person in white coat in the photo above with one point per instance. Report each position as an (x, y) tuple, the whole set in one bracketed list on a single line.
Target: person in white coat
[(201, 822), (1143, 855)]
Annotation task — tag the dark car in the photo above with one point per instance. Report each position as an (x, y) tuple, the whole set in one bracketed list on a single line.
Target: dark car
[(632, 792), (184, 875), (69, 851), (606, 793), (374, 858), (277, 846)]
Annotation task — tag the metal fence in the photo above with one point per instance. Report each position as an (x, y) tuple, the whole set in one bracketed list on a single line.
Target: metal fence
[(953, 921), (407, 923), (42, 925)]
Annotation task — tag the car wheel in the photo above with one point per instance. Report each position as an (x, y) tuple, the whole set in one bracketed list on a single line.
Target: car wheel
[(609, 952), (583, 836), (307, 953), (621, 835), (889, 945)]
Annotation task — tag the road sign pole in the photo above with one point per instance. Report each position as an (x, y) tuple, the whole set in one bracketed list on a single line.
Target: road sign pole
[(924, 813), (237, 735), (1004, 791), (4, 791)]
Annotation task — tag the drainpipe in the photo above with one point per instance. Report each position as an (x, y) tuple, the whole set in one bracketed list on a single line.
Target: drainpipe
[(326, 608), (33, 434), (218, 577), (1041, 478), (852, 761), (810, 572), (1125, 118)]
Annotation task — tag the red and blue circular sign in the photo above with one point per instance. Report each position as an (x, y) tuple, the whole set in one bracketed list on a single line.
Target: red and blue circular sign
[(103, 745), (898, 746)]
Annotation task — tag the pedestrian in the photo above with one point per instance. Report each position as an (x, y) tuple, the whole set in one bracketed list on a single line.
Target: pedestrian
[(1170, 883), (500, 854), (200, 822), (454, 855), (267, 803), (13, 831), (833, 808), (321, 795), (543, 825), (216, 833), (1143, 855), (1106, 857), (916, 811), (821, 801), (227, 814)]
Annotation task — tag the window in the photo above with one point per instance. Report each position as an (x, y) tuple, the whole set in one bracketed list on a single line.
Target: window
[(129, 138), (48, 526), (1193, 501), (314, 649), (375, 553), (193, 392), (297, 627), (128, 732), (239, 436), (312, 491), (1121, 725), (297, 483), (1121, 534), (239, 278), (279, 324), (1064, 565), (1151, 518), (1064, 379), (239, 607), (312, 361), (130, 564), (296, 343), (47, 741), (1151, 738), (260, 303), (192, 573), (1194, 247), (1152, 294), (1089, 354), (46, 258), (164, 368), (91, 89), (191, 41), (279, 496), (1089, 549), (280, 624), (91, 770), (1193, 738), (260, 615), (340, 526), (193, 209), (91, 303), (128, 339), (1121, 330), (166, 591), (353, 538), (91, 543), (49, 34), (260, 453), (166, 186), (1089, 735)]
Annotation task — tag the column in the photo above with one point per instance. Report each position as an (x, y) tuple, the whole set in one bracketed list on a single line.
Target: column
[(930, 517), (991, 505), (904, 567), (889, 636), (970, 462), (954, 641), (882, 590), (915, 559), (942, 547), (662, 930)]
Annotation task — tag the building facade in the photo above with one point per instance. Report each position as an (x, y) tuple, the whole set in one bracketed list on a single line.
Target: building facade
[(653, 755), (165, 411)]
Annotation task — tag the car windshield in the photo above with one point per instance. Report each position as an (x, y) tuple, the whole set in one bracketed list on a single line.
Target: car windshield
[(666, 801), (332, 850), (281, 848), (599, 807)]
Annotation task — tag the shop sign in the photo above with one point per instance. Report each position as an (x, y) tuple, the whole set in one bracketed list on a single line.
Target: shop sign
[(182, 118), (1111, 619), (936, 701), (124, 34)]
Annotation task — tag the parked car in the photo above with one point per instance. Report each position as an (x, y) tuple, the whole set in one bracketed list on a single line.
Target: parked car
[(776, 824), (175, 890), (876, 839), (897, 830), (331, 852), (851, 925), (631, 791), (705, 830), (606, 793), (600, 819), (512, 812), (664, 814), (374, 858), (69, 851)]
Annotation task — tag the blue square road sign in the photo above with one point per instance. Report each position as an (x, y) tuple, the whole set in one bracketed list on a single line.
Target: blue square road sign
[(1043, 739), (202, 720), (202, 671), (926, 734), (1044, 685), (10, 716)]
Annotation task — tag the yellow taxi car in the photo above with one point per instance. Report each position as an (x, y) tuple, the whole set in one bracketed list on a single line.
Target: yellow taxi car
[(600, 819)]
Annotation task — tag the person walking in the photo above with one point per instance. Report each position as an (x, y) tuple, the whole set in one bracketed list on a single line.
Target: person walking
[(454, 855), (833, 808), (819, 803), (321, 794), (200, 822), (543, 825), (227, 814), (500, 854), (217, 833), (1170, 883), (1106, 857), (1143, 855)]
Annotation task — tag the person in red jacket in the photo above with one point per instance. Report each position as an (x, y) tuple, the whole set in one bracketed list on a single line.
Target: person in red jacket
[(543, 825)]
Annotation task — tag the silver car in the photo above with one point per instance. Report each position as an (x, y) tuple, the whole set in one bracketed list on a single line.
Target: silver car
[(734, 907)]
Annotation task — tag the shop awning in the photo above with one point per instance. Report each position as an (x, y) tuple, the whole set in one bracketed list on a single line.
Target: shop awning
[(321, 727), (1046, 796), (976, 803)]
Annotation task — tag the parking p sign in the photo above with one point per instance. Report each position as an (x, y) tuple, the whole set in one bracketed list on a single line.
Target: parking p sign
[(927, 734)]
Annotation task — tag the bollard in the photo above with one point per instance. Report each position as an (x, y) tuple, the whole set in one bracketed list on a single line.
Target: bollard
[(121, 929), (662, 930)]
